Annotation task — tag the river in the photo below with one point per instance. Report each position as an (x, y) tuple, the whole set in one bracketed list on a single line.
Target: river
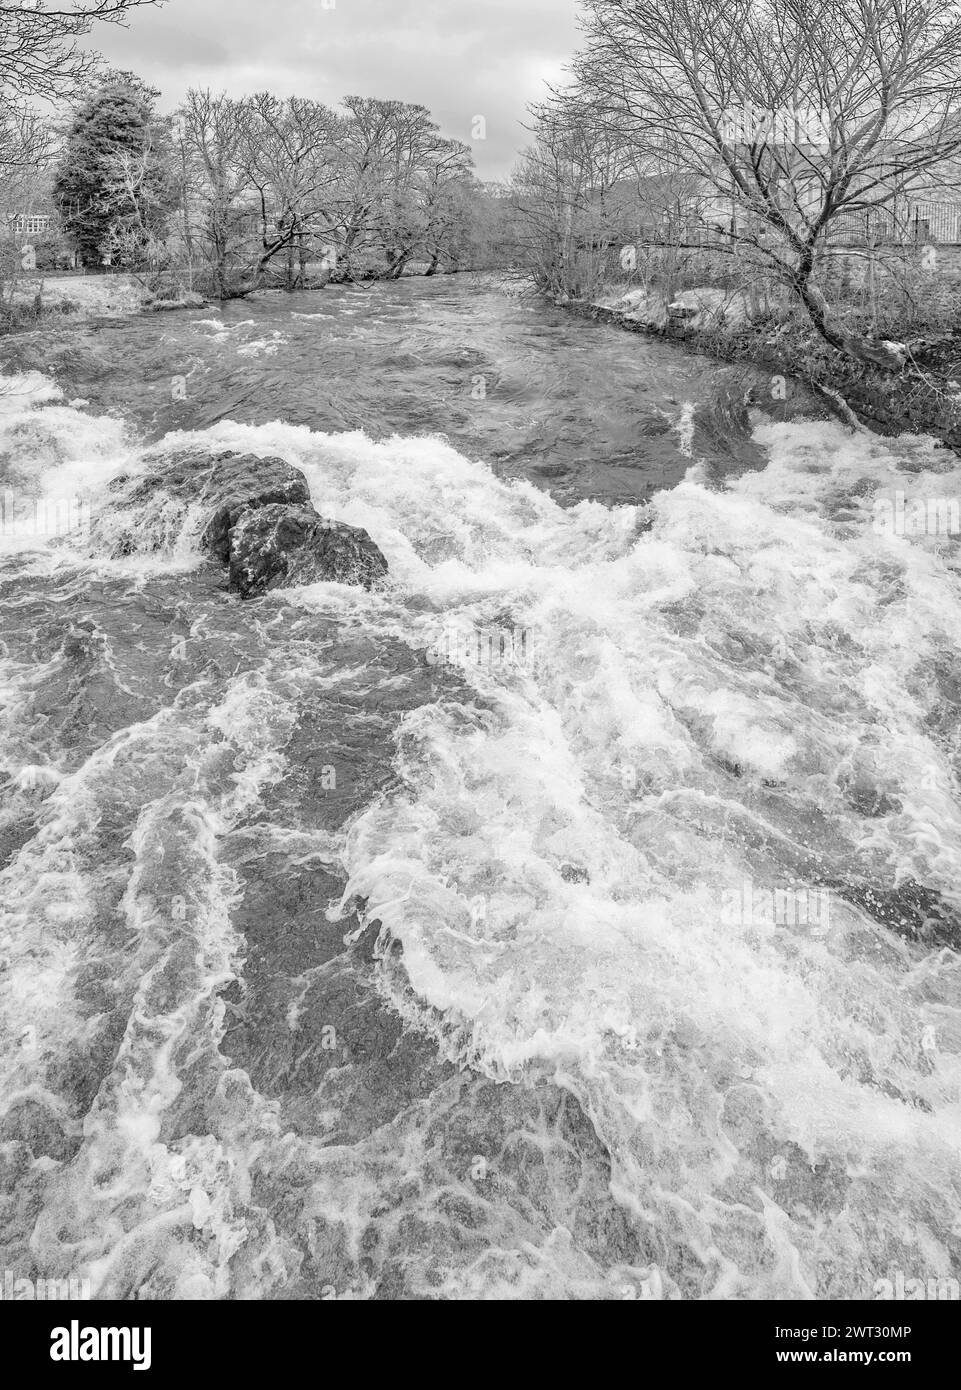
[(575, 916)]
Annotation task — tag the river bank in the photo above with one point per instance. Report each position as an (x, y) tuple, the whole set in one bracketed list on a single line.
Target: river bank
[(68, 299), (74, 299), (926, 399)]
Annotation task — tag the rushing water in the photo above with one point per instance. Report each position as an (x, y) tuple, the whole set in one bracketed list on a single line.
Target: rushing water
[(423, 942)]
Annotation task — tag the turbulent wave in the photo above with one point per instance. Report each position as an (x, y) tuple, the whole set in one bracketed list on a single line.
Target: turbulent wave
[(414, 942)]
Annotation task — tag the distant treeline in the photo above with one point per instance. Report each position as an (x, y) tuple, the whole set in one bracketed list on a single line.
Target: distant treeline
[(230, 194)]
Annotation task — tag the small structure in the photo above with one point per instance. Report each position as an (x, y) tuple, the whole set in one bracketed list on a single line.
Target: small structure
[(28, 228), (32, 223)]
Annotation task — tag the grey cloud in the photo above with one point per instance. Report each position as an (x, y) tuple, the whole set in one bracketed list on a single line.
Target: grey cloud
[(461, 58)]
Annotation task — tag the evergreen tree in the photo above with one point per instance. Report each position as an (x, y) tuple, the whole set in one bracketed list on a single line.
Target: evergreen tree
[(115, 187)]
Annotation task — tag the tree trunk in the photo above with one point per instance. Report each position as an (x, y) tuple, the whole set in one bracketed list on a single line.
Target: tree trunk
[(290, 276), (350, 237), (890, 357), (396, 263)]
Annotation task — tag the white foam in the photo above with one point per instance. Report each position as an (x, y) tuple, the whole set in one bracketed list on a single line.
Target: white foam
[(707, 702)]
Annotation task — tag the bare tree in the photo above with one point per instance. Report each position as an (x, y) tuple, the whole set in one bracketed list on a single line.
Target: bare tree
[(574, 195), (396, 165), (213, 144), (25, 142), (418, 162), (144, 187), (40, 55), (794, 112), (365, 153), (273, 180), (412, 140), (293, 160), (447, 186), (25, 151)]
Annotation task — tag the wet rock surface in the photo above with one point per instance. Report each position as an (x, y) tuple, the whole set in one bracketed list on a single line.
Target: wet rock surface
[(150, 511), (281, 545), (912, 910), (221, 484), (254, 515), (244, 483)]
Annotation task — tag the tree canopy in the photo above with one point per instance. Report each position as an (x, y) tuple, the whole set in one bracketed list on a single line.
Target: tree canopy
[(115, 186)]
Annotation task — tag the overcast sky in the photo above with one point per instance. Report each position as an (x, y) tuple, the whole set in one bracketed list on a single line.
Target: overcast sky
[(460, 58)]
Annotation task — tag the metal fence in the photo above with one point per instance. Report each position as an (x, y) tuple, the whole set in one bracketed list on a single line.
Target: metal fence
[(916, 223), (906, 224)]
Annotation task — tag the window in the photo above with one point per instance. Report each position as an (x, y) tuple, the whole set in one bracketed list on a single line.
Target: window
[(30, 226)]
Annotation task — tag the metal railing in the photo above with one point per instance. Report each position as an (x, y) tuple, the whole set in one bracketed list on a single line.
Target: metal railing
[(908, 224), (916, 223)]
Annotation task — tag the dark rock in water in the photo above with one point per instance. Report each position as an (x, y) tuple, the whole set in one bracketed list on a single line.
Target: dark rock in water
[(257, 519), (871, 802), (275, 546), (36, 1125), (246, 483), (573, 873), (223, 484), (912, 910), (228, 483), (218, 478)]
